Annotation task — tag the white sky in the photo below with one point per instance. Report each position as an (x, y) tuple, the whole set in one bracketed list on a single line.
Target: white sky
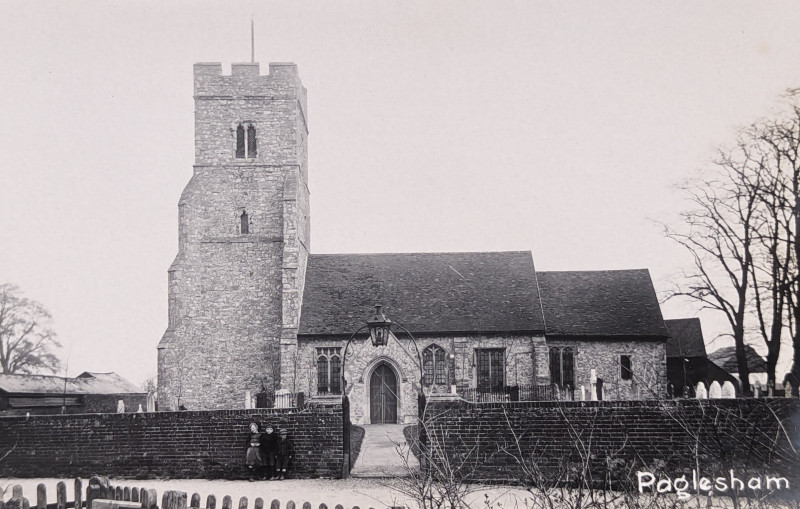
[(556, 127)]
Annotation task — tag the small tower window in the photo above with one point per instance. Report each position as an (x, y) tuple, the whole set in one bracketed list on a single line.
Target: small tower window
[(244, 223), (246, 146)]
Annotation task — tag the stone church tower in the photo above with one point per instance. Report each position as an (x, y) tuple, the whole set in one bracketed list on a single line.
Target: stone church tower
[(236, 285)]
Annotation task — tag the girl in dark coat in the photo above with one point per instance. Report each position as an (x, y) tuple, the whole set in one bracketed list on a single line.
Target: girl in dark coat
[(253, 457)]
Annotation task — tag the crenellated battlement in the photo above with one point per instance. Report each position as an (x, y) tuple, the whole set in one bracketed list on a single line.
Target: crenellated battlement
[(246, 79)]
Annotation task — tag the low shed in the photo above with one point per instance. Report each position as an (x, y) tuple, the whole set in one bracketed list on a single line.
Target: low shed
[(87, 393)]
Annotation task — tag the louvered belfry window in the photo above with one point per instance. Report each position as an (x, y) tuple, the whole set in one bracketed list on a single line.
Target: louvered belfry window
[(240, 151), (246, 144), (252, 149)]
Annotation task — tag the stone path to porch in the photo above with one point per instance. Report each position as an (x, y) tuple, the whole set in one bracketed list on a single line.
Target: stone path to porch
[(384, 452)]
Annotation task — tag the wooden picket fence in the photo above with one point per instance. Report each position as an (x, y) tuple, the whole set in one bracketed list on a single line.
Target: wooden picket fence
[(136, 497)]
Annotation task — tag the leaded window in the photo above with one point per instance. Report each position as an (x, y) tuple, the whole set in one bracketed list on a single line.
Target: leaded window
[(433, 365), (329, 370), (562, 367), (491, 369)]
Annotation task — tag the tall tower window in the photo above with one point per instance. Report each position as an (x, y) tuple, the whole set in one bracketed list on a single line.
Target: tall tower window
[(244, 223), (246, 146), (252, 150)]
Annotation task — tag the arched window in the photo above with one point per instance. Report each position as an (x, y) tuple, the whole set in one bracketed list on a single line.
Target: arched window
[(244, 223), (246, 145), (555, 366), (562, 367), (329, 370), (434, 366), (322, 375), (252, 149)]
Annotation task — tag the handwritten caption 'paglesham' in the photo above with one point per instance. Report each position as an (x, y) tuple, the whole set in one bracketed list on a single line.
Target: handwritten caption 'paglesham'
[(684, 488)]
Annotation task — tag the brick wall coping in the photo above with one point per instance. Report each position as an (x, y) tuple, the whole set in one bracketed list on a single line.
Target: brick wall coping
[(611, 404), (254, 412)]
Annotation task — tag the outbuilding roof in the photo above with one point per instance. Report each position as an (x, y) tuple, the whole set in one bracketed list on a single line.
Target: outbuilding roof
[(685, 338), (725, 358), (606, 303), (425, 292), (85, 383)]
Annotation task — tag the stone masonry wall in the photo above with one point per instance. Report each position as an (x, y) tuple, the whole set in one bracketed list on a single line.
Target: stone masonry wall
[(233, 295), (648, 364), (668, 438), (165, 444), (363, 358)]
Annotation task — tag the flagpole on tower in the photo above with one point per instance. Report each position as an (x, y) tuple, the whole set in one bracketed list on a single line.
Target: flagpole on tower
[(252, 42)]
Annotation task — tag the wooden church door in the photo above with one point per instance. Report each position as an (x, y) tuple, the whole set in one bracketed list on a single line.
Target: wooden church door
[(383, 396)]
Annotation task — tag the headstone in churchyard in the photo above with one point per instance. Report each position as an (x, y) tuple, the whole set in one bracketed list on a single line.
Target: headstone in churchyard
[(714, 391), (283, 398), (728, 390), (701, 392)]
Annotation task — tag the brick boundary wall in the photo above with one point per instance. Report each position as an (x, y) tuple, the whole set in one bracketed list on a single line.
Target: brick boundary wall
[(189, 444), (617, 437)]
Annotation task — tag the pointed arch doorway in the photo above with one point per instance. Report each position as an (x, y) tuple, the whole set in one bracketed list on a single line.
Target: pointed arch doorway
[(383, 395)]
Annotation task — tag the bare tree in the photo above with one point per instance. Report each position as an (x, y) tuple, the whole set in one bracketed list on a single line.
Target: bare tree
[(781, 136), (26, 339), (719, 232), (443, 479), (771, 271), (742, 232)]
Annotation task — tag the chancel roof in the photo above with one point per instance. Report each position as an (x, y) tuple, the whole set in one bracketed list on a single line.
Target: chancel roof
[(425, 292), (606, 303), (685, 338)]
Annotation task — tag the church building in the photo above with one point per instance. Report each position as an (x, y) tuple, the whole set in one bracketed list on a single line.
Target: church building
[(251, 309)]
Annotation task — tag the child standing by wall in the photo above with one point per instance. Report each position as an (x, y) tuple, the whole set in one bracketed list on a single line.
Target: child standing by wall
[(284, 450), (268, 444), (253, 457)]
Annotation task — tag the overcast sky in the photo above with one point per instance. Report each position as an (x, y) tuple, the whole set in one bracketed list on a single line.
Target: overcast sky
[(555, 127)]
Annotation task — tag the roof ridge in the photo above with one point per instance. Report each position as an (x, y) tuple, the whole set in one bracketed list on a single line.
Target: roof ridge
[(591, 271), (422, 253)]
